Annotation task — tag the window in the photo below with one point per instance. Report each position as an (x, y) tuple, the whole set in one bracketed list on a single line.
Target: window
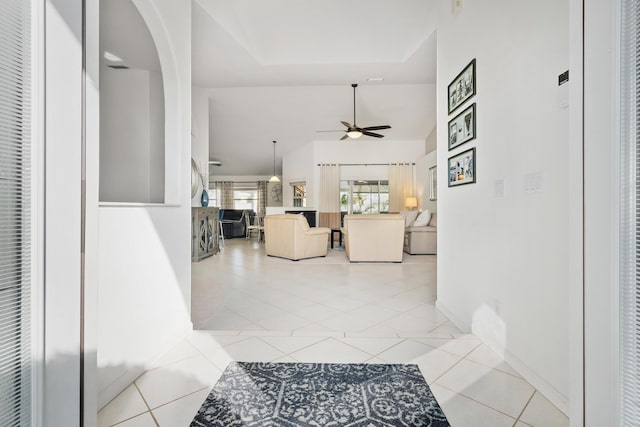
[(364, 196), (245, 195), (15, 212), (299, 194)]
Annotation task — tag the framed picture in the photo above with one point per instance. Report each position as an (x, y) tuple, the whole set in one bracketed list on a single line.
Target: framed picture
[(433, 183), (462, 87), (462, 128), (462, 168)]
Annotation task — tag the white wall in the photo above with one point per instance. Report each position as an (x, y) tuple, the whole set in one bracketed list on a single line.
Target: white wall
[(200, 136), (431, 142), (423, 164), (576, 225), (601, 213), (144, 278), (125, 136), (131, 136), (297, 166), (513, 250), (156, 137), (61, 213)]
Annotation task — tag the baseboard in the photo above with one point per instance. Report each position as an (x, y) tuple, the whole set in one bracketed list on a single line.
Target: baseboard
[(463, 326), (547, 390), (108, 393)]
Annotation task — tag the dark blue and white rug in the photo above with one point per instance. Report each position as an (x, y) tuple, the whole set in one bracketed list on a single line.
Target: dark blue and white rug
[(320, 395)]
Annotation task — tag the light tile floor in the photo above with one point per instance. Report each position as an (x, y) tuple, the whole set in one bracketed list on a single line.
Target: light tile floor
[(248, 307)]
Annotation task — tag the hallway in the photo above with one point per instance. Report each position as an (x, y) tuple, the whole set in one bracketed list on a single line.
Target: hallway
[(273, 310)]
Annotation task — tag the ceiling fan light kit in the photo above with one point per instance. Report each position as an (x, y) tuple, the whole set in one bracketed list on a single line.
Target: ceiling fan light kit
[(353, 131)]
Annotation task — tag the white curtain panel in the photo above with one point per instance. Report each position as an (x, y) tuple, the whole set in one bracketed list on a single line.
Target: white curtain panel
[(400, 185), (329, 205)]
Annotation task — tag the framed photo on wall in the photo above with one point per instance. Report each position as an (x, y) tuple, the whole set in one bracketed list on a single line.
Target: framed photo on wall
[(462, 168), (462, 87), (462, 128), (433, 183)]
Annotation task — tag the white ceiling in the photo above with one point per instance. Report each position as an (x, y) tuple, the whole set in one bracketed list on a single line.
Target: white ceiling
[(124, 34), (312, 42)]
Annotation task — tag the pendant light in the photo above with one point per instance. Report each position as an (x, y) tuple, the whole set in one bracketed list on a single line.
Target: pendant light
[(274, 178)]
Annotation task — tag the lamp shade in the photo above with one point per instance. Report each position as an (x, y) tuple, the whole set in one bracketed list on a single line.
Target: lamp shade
[(411, 202)]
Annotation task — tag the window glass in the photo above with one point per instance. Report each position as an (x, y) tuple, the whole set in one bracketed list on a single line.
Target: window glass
[(16, 166), (245, 195), (300, 195), (245, 199), (364, 196)]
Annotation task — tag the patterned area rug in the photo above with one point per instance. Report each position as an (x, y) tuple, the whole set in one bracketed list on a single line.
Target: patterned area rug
[(320, 395)]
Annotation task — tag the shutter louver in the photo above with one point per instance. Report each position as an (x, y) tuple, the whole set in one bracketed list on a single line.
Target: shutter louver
[(630, 214), (15, 215)]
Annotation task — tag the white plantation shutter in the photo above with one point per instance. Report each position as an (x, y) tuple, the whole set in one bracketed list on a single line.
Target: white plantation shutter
[(630, 214), (15, 218)]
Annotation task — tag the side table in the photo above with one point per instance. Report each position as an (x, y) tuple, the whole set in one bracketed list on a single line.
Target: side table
[(339, 231)]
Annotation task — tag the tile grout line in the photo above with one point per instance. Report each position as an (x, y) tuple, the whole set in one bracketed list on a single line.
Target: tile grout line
[(386, 349), (302, 348), (498, 370), (525, 406), (176, 399), (446, 371), (146, 404), (415, 339), (478, 402)]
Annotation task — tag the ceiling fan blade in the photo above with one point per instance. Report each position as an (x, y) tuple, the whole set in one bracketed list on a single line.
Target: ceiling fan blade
[(344, 137), (375, 135), (377, 127), (347, 124)]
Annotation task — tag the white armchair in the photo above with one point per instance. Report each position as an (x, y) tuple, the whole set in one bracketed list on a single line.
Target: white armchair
[(289, 236), (374, 237)]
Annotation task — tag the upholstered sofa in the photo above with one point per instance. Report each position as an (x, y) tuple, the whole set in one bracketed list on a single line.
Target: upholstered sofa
[(422, 240), (374, 237), (234, 222), (289, 236)]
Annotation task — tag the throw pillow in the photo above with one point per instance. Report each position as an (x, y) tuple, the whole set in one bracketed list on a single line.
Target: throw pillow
[(423, 219), (409, 217)]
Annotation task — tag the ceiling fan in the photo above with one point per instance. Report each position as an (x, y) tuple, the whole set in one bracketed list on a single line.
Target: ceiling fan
[(353, 131)]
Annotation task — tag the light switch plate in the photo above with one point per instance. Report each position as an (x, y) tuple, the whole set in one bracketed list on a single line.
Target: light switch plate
[(533, 183)]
